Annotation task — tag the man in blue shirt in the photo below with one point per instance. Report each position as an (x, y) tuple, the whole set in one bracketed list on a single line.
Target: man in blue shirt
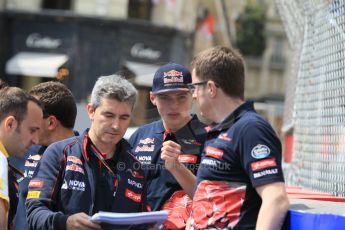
[(93, 172), (59, 114), (240, 182), (170, 173)]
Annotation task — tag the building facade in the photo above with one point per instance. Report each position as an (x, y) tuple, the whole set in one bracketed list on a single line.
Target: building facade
[(100, 37)]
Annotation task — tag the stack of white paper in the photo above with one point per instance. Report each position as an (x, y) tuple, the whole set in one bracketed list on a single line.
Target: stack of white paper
[(157, 217)]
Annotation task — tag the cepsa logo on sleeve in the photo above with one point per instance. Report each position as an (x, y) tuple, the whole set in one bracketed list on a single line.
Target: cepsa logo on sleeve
[(214, 152), (36, 184)]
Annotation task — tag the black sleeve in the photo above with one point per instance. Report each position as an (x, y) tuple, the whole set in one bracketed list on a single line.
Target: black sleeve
[(261, 154)]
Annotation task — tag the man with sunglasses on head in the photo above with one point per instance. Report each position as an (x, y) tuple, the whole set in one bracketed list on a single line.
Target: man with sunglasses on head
[(240, 183), (93, 172), (169, 149)]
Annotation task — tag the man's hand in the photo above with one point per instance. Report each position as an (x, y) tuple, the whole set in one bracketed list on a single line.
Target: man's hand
[(170, 153), (81, 221)]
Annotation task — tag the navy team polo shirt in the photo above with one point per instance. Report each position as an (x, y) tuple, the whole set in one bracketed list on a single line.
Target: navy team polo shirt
[(241, 153), (146, 144)]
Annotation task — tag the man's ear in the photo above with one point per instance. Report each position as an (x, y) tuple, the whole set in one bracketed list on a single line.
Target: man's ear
[(52, 122), (90, 111), (10, 123), (212, 88), (153, 98)]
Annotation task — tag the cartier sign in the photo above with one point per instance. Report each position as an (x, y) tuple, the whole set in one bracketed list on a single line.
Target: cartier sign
[(36, 40), (138, 50)]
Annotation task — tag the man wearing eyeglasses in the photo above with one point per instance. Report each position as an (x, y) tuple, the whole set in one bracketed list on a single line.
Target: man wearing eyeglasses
[(169, 149), (240, 182)]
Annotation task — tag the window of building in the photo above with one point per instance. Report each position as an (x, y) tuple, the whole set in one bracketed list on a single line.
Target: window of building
[(56, 4), (140, 9)]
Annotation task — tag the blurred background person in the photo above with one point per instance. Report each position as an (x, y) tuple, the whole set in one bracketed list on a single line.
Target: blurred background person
[(20, 121)]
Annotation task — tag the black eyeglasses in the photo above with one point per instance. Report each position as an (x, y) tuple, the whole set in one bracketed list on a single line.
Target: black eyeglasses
[(191, 86)]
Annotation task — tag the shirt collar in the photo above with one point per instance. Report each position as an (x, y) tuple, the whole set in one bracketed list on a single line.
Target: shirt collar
[(3, 150), (235, 115), (160, 127)]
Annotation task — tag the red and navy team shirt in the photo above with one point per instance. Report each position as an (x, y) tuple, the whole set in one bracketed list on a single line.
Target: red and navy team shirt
[(241, 153), (163, 191)]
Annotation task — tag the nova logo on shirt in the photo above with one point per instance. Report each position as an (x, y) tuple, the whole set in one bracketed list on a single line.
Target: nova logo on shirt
[(144, 159), (133, 196), (214, 152), (74, 185)]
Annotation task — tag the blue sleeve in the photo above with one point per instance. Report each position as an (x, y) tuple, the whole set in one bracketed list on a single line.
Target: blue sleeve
[(41, 200), (260, 152)]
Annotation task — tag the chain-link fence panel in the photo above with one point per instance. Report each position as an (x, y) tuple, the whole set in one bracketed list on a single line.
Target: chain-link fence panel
[(316, 32)]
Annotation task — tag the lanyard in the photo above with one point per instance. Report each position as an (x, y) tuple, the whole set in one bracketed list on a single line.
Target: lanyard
[(100, 157)]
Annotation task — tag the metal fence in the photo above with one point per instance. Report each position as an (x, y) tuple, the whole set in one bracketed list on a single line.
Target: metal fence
[(315, 105)]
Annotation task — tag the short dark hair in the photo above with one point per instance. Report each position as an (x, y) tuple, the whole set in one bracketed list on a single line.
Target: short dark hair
[(224, 66), (57, 100), (3, 84), (14, 101)]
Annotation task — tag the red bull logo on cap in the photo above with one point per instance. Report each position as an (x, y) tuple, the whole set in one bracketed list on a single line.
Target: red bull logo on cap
[(173, 76)]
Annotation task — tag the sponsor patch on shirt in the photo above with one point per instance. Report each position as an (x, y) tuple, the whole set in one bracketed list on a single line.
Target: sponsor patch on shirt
[(144, 148), (144, 159), (190, 142), (133, 196), (187, 158), (262, 164), (147, 141), (214, 152), (224, 137), (75, 168), (33, 194), (36, 184), (260, 151), (135, 184), (30, 163), (75, 160), (265, 172), (36, 157), (74, 185), (135, 173)]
